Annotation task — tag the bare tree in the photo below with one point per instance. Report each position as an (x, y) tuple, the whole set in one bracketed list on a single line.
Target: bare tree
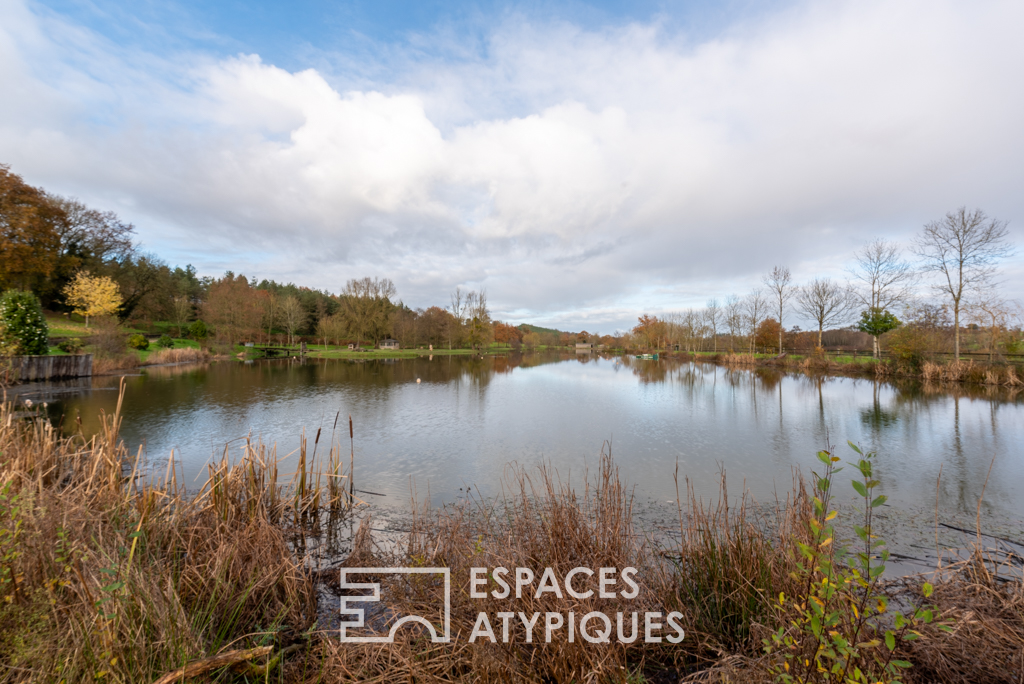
[(713, 316), (883, 276), (271, 305), (824, 301), (755, 308), (457, 306), (994, 313), (481, 332), (778, 283), (733, 319), (366, 304), (182, 312), (963, 248), (292, 315)]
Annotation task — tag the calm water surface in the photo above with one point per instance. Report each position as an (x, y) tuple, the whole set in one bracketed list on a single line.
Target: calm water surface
[(467, 418)]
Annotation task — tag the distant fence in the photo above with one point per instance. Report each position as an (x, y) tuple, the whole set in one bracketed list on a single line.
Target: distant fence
[(35, 368)]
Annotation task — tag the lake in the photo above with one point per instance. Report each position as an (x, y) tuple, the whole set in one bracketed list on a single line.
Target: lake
[(452, 422)]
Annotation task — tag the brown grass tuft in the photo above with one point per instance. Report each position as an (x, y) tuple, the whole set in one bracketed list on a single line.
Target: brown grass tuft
[(179, 355)]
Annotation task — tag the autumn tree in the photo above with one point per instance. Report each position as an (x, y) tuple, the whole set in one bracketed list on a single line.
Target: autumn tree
[(962, 248), (825, 302), (779, 284), (436, 324), (29, 243), (231, 308), (767, 335), (649, 330), (92, 296), (505, 333)]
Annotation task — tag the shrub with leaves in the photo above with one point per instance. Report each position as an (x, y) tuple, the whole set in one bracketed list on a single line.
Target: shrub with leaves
[(198, 331), (71, 345), (24, 327), (138, 341), (839, 629), (165, 342)]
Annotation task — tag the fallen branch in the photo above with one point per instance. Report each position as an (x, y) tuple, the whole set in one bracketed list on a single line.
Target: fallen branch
[(198, 667)]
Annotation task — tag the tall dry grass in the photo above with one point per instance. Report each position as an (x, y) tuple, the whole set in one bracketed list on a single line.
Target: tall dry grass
[(106, 576), (179, 355)]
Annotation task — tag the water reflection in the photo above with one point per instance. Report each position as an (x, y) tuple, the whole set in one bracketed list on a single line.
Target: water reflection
[(449, 421)]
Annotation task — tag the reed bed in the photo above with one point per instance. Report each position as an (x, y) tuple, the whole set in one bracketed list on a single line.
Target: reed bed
[(109, 576), (105, 364), (737, 359), (954, 372), (179, 355)]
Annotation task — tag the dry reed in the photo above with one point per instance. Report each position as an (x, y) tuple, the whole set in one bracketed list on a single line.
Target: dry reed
[(105, 575), (179, 355)]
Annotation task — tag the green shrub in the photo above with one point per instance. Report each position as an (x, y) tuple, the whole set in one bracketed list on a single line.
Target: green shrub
[(138, 341), (71, 345), (165, 341), (21, 318), (198, 331)]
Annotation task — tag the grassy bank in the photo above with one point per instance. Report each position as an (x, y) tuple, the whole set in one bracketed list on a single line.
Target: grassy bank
[(953, 372), (104, 577)]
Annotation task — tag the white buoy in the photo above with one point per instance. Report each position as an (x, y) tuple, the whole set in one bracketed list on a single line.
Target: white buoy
[(417, 381)]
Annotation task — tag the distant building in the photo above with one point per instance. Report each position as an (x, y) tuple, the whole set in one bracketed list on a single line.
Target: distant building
[(389, 344), (584, 346)]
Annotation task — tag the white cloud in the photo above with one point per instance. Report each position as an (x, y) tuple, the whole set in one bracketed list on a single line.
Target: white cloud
[(574, 174)]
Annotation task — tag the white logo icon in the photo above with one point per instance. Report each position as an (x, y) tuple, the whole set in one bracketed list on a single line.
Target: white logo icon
[(374, 588)]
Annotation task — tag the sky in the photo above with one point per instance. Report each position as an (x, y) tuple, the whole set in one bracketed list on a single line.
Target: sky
[(584, 162)]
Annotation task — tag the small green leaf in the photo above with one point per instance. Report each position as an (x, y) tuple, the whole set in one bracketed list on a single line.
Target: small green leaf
[(859, 486), (854, 447), (879, 501), (927, 589), (890, 640)]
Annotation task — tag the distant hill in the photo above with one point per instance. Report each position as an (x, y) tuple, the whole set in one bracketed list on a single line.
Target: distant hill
[(539, 330)]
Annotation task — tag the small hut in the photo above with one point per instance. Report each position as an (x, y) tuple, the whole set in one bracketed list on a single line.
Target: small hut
[(389, 344)]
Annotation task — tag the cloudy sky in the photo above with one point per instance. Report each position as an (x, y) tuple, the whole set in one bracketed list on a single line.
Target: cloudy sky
[(583, 163)]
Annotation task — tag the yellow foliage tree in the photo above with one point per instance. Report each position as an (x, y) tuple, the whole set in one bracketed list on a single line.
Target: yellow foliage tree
[(92, 295)]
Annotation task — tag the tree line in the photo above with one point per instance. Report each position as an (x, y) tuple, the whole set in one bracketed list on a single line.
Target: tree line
[(78, 259), (886, 293)]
